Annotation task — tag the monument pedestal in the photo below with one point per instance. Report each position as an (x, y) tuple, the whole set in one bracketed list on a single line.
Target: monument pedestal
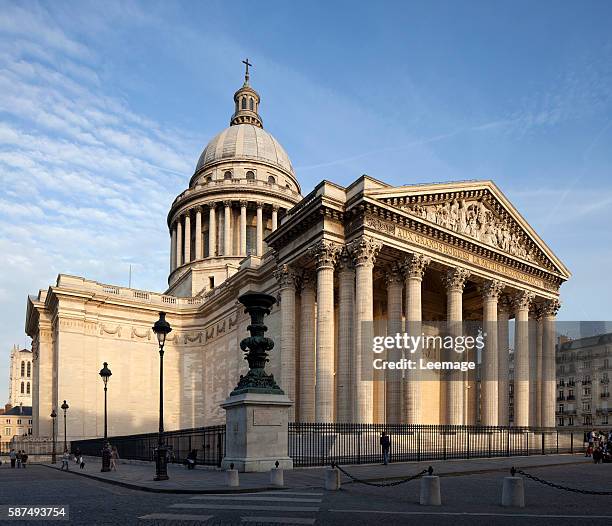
[(256, 432)]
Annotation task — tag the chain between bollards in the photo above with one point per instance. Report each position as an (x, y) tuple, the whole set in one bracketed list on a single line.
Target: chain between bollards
[(429, 471), (513, 471)]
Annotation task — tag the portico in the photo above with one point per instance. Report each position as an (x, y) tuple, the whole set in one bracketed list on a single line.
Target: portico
[(374, 249)]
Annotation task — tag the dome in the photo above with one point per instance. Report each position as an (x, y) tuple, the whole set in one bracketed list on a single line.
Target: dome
[(248, 142)]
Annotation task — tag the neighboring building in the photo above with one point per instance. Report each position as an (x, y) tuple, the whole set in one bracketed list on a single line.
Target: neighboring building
[(21, 377), (15, 422), (336, 259), (583, 380)]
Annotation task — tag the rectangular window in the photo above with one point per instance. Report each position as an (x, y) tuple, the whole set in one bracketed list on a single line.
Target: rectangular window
[(211, 282), (7, 431)]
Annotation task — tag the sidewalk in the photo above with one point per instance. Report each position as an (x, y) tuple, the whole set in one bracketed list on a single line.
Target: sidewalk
[(205, 480)]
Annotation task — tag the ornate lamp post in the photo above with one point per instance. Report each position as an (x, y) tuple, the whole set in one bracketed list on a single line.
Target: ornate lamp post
[(105, 373), (161, 329), (65, 407), (256, 346), (54, 434)]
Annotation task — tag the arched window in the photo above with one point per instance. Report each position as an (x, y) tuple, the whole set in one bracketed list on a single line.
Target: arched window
[(29, 369), (209, 178), (244, 103), (21, 387), (251, 104), (271, 179), (227, 175), (22, 368), (28, 388), (250, 174)]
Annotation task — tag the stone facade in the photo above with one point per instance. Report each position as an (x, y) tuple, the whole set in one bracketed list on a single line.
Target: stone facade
[(345, 263), (20, 381)]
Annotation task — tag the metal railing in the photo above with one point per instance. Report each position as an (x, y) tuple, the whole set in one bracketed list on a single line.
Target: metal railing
[(320, 444), (209, 442)]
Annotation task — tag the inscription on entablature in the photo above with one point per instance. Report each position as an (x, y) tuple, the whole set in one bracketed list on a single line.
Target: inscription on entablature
[(455, 252)]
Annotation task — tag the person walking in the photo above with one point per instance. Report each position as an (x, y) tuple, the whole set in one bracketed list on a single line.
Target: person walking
[(385, 444), (77, 455), (13, 457), (18, 458), (24, 459), (114, 458), (66, 460)]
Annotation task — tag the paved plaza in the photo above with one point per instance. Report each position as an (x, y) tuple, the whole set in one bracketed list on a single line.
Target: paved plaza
[(470, 489)]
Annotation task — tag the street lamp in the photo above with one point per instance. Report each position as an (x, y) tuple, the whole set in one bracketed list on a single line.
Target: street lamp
[(54, 434), (105, 373), (65, 407), (161, 328)]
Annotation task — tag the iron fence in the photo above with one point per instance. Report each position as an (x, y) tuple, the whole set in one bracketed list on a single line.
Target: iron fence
[(319, 444), (209, 442)]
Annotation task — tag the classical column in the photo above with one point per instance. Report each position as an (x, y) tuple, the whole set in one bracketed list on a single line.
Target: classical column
[(533, 366), (212, 229), (260, 228), (287, 278), (414, 267), (179, 242), (522, 301), (306, 400), (325, 254), (455, 395), (364, 251), (274, 217), (549, 312), (503, 345), (173, 248), (539, 339), (198, 234), (187, 236), (227, 224), (489, 385), (243, 227), (393, 377), (346, 348)]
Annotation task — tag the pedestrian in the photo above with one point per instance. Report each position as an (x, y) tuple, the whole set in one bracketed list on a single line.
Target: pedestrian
[(66, 460), (13, 457), (385, 444), (24, 459), (18, 458), (81, 462), (190, 462), (77, 455), (114, 458)]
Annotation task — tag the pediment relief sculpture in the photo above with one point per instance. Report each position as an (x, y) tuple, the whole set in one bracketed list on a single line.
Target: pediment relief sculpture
[(473, 218)]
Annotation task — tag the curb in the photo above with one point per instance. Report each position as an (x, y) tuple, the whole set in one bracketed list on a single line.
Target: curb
[(167, 490)]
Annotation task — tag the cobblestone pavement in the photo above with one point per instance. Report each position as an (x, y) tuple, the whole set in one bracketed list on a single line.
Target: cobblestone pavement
[(466, 499)]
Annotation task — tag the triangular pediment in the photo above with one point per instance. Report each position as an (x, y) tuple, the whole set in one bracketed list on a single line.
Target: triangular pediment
[(477, 210)]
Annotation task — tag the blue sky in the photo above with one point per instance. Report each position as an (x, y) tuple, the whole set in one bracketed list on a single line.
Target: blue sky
[(105, 107)]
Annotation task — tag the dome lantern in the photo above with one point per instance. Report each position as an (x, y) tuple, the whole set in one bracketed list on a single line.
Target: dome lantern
[(246, 103)]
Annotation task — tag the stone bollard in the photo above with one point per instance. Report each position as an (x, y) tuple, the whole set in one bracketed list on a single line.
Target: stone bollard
[(231, 477), (276, 476), (332, 479), (430, 490), (513, 491)]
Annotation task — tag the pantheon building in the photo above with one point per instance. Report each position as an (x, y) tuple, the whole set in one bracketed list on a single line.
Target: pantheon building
[(345, 263)]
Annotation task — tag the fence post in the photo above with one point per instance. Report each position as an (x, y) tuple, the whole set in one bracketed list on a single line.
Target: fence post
[(444, 443), (219, 449), (467, 432), (543, 449), (572, 442), (508, 441)]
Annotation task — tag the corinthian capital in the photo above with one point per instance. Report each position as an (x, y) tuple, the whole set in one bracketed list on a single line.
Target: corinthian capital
[(414, 265), (286, 276), (455, 279), (522, 300), (325, 254), (551, 307), (492, 289), (364, 250), (345, 260)]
